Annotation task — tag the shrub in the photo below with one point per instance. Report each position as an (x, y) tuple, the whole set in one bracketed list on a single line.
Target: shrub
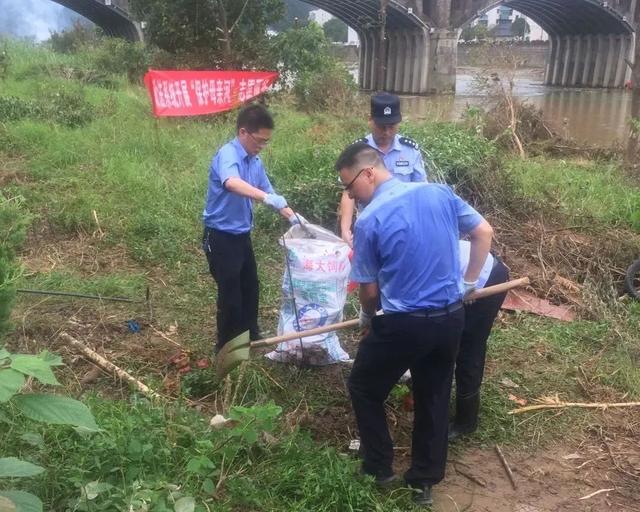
[(68, 106), (119, 56), (15, 109), (73, 39), (331, 88), (13, 226)]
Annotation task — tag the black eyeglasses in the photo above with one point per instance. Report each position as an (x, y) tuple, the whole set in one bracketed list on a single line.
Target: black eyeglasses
[(259, 142), (348, 185)]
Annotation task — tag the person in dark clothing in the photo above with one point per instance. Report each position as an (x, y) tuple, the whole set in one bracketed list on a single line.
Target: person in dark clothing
[(237, 178), (406, 258), (479, 318)]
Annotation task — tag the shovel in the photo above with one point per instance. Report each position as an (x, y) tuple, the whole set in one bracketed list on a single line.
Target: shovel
[(238, 349)]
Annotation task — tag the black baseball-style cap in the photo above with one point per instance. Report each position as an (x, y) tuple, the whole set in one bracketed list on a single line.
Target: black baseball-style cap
[(385, 108)]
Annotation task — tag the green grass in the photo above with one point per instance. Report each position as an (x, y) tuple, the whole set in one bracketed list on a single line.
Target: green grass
[(145, 181), (583, 191)]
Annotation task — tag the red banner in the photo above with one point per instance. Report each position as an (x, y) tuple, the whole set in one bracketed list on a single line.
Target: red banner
[(192, 93)]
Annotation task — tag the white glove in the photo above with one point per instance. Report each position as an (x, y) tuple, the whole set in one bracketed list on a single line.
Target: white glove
[(276, 201), (469, 288), (296, 218), (365, 319)]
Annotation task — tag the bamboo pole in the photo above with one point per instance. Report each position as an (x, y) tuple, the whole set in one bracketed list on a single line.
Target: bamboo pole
[(563, 405), (108, 365)]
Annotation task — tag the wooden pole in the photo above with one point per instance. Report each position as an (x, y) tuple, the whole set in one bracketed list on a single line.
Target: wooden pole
[(108, 365)]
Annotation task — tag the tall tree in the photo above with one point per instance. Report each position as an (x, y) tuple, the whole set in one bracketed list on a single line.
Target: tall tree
[(294, 10), (336, 30), (520, 28), (227, 32)]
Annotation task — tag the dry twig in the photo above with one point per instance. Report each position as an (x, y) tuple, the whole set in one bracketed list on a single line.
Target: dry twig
[(506, 466), (553, 402)]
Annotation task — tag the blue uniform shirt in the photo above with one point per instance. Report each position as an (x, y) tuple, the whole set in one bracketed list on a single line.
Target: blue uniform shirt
[(406, 240), (402, 160), (224, 210)]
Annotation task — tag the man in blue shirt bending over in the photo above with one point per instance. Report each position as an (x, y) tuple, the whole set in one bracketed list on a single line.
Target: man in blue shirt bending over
[(236, 179), (406, 256)]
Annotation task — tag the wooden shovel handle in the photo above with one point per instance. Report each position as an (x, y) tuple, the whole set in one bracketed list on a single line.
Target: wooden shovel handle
[(311, 332), (499, 288), (479, 294)]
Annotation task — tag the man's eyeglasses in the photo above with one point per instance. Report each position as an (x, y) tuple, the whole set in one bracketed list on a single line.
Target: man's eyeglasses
[(259, 141), (350, 184)]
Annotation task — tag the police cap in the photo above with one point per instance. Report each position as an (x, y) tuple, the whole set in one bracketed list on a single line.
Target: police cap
[(385, 108)]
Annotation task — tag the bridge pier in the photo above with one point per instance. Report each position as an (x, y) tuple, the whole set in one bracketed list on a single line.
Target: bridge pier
[(594, 60), (417, 62)]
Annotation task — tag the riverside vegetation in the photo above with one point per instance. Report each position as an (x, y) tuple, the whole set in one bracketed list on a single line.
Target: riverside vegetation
[(99, 197)]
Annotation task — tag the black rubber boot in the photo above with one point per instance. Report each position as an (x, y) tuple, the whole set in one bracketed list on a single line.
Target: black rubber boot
[(422, 496), (466, 421)]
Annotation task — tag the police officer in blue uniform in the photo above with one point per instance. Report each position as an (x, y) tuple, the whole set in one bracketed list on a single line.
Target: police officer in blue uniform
[(401, 155), (406, 256), (479, 318), (236, 179)]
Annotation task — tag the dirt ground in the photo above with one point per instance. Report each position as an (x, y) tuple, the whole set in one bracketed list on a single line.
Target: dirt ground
[(595, 473)]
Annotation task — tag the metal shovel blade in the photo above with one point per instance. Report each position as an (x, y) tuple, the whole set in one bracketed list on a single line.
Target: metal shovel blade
[(232, 354)]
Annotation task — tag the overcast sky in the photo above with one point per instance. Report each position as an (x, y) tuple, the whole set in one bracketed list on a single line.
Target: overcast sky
[(33, 18)]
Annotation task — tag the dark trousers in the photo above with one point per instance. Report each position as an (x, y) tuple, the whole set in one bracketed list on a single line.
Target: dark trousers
[(428, 347), (233, 266), (479, 318)]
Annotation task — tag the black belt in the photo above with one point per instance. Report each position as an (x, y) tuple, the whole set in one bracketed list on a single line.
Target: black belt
[(433, 313)]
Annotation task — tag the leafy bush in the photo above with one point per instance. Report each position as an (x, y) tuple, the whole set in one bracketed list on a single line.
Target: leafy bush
[(15, 109), (299, 51), (65, 105), (68, 106), (15, 369), (330, 89), (454, 150), (13, 226), (117, 56), (74, 39)]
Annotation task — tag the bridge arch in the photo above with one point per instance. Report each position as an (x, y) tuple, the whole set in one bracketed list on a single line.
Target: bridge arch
[(112, 16), (590, 41)]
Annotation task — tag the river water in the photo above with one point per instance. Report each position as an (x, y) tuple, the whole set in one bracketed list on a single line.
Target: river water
[(589, 116)]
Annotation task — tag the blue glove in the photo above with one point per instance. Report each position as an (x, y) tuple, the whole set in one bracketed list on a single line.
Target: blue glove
[(276, 201), (297, 219)]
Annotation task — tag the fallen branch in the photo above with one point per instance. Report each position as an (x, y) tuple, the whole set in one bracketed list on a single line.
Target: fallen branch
[(507, 468), (554, 403), (595, 493), (108, 365), (471, 477)]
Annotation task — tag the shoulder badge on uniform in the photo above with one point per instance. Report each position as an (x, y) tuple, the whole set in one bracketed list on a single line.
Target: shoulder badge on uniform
[(361, 140), (409, 142)]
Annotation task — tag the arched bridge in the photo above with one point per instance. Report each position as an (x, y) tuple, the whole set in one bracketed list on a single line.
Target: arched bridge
[(590, 39), (112, 16)]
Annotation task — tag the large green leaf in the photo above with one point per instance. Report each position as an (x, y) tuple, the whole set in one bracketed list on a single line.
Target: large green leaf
[(35, 367), (24, 501), (6, 505), (186, 504), (11, 382), (55, 409), (10, 467), (51, 359), (4, 353)]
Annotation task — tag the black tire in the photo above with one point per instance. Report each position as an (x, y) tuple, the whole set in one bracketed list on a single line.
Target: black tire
[(632, 280)]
